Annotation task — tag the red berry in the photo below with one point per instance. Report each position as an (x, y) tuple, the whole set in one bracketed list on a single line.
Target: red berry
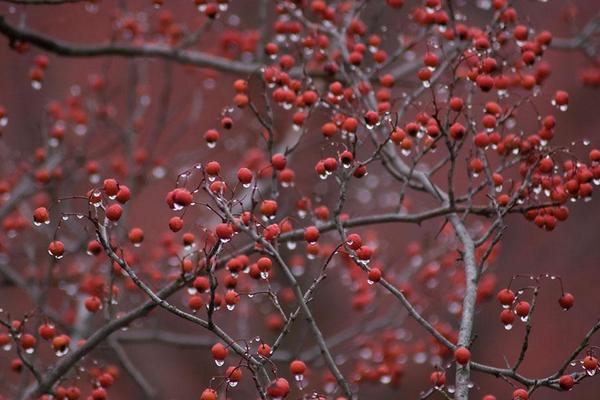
[(566, 301), (136, 235), (522, 309), (438, 378), (111, 187), (462, 355), (175, 224), (224, 231), (41, 215), (311, 234), (590, 363), (244, 176), (566, 382), (374, 275), (114, 212), (209, 394), (506, 297), (297, 367), (520, 394), (561, 98), (219, 352), (212, 168), (93, 304), (278, 161), (46, 331), (56, 248), (507, 317)]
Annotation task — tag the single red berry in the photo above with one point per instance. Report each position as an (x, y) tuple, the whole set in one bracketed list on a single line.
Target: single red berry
[(46, 331), (56, 248), (566, 382), (590, 363), (374, 275), (41, 215), (278, 389), (224, 232), (136, 236), (354, 241), (212, 168), (234, 374), (28, 341), (175, 224), (506, 297), (209, 394), (520, 394), (438, 378), (462, 355), (114, 212), (566, 301), (311, 234), (264, 350), (522, 309), (244, 176), (93, 303), (507, 318), (111, 187), (219, 352), (297, 367), (278, 161)]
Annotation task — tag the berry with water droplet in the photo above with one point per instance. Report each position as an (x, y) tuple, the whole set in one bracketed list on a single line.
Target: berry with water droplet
[(298, 368), (374, 275), (136, 236), (522, 309), (311, 234), (219, 353), (56, 248), (507, 318), (41, 216), (506, 297)]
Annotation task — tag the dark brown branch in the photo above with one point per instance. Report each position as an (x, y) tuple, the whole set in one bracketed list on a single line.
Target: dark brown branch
[(63, 48)]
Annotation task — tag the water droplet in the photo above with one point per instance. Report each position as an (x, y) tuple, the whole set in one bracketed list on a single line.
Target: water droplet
[(297, 270), (420, 357), (508, 327), (219, 363), (62, 351)]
